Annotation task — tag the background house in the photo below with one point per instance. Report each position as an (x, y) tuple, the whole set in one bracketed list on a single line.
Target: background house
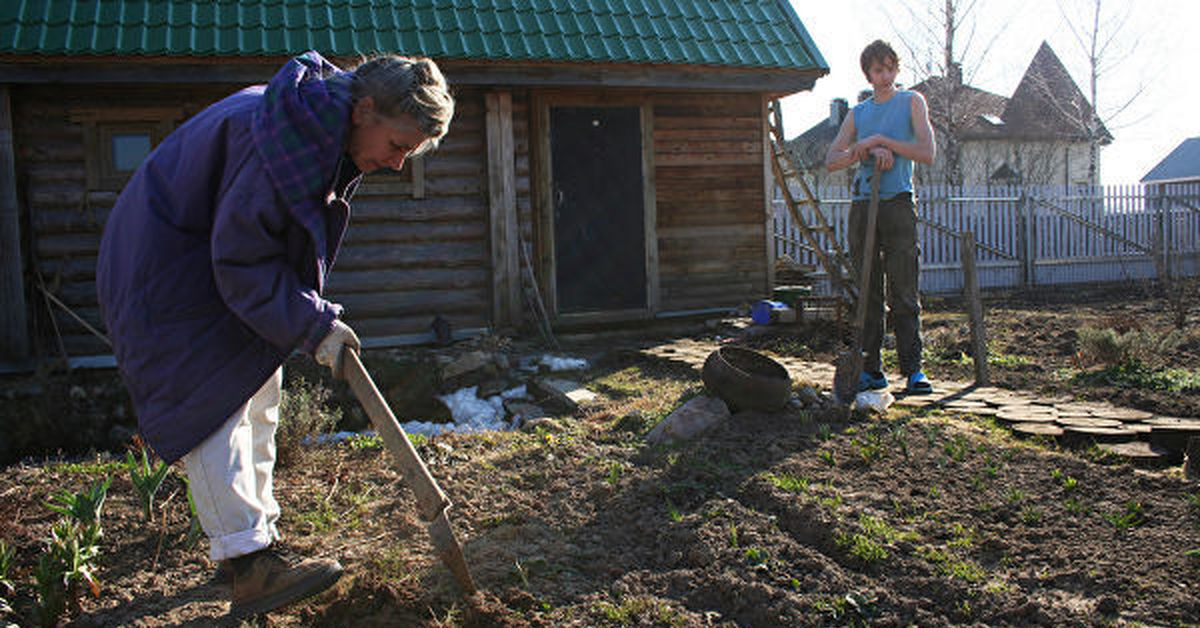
[(1037, 136), (621, 141), (1180, 166)]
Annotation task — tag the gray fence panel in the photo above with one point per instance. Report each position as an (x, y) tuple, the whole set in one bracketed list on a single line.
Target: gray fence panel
[(1033, 235)]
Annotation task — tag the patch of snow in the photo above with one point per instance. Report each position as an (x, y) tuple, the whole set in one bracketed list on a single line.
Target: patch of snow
[(555, 363), (470, 413), (515, 393)]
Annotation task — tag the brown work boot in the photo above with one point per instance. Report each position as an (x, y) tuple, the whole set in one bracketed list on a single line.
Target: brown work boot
[(263, 581)]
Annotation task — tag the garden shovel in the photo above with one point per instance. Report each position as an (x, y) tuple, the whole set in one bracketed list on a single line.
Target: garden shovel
[(432, 503), (850, 363)]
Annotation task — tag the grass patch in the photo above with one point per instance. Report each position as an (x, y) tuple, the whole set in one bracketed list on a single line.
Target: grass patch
[(95, 467), (950, 565), (788, 482), (870, 544), (1131, 516), (1138, 375), (640, 611)]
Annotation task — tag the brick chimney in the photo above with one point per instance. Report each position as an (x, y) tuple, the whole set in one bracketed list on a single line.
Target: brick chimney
[(838, 107)]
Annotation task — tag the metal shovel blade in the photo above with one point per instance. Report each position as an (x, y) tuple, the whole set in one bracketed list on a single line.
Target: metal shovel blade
[(431, 501)]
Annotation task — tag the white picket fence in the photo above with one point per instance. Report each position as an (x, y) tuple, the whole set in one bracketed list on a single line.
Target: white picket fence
[(1031, 235)]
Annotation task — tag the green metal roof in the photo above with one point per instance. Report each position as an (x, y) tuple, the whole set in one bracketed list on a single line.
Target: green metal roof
[(732, 33)]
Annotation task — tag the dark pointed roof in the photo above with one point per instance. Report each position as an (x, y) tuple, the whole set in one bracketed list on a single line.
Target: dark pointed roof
[(1047, 104), (1182, 164), (978, 112)]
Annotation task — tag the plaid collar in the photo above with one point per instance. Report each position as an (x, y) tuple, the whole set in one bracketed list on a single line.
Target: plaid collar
[(300, 133)]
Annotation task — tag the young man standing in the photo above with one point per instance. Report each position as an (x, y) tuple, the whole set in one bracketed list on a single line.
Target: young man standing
[(890, 130)]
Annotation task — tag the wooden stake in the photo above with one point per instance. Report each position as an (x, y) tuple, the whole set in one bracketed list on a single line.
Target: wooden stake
[(974, 308)]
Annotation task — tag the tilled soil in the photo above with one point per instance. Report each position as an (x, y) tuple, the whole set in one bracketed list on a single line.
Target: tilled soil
[(800, 518)]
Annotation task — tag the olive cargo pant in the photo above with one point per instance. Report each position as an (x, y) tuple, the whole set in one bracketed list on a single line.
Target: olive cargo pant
[(896, 243)]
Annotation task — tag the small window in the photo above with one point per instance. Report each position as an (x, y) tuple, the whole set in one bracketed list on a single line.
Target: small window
[(128, 150), (117, 141)]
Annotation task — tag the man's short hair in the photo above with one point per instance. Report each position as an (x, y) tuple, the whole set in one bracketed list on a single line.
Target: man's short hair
[(877, 51)]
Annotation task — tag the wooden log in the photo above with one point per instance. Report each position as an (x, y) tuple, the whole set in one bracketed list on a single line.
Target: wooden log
[(402, 233), (506, 304), (1138, 452), (345, 282), (1083, 434), (425, 255), (1036, 429), (974, 309), (1086, 422), (14, 334)]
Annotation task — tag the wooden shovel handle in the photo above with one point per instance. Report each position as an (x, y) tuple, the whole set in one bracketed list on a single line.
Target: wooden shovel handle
[(431, 501)]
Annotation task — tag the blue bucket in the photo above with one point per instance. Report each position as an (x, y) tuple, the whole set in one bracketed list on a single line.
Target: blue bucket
[(760, 312)]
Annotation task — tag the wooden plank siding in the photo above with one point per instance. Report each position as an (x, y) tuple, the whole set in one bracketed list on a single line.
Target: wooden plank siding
[(404, 259), (420, 244), (708, 157), (63, 218)]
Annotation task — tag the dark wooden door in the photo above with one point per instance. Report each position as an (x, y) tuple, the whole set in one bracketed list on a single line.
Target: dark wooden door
[(599, 218)]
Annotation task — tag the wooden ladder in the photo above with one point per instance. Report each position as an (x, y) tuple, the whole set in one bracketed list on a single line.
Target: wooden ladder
[(830, 254)]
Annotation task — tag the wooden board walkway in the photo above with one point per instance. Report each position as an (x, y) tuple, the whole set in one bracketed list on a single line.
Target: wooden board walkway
[(1139, 436)]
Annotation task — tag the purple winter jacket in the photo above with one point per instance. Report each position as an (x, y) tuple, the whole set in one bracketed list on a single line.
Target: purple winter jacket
[(208, 278)]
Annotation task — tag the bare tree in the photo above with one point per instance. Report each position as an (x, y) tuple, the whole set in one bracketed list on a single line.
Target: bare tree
[(947, 47), (1099, 33)]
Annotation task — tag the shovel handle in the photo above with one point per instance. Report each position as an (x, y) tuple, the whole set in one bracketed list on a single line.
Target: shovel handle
[(431, 501)]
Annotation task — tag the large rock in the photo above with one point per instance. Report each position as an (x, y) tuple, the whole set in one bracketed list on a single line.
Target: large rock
[(469, 369), (522, 412), (565, 394), (688, 421)]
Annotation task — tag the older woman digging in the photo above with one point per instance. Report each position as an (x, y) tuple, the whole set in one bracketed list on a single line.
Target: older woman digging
[(211, 272)]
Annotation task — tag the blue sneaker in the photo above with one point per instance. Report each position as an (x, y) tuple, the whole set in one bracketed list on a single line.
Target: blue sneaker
[(872, 381), (918, 384)]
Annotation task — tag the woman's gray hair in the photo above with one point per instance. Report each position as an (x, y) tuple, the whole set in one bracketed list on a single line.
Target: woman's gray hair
[(412, 85)]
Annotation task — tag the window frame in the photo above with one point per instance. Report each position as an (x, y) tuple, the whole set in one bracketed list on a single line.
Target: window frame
[(99, 127)]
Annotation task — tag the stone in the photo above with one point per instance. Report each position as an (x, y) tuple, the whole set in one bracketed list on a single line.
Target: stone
[(492, 387), (522, 413), (688, 421), (466, 363), (563, 393)]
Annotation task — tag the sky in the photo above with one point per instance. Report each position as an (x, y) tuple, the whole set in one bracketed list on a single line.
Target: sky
[(1156, 50)]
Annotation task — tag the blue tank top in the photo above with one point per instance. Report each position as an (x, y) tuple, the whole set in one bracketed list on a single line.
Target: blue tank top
[(893, 119)]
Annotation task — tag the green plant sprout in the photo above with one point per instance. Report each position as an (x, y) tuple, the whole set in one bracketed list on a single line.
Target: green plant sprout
[(146, 479), (194, 530), (83, 507), (67, 563), (1133, 515), (788, 482), (6, 563)]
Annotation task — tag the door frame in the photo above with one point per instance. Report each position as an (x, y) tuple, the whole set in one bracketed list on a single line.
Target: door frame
[(541, 179)]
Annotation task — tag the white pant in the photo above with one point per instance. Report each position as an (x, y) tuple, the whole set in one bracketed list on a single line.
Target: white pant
[(230, 476)]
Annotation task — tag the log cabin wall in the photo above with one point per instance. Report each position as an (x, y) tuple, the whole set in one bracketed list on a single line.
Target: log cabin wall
[(711, 200), (419, 241), (64, 207), (417, 245), (413, 254)]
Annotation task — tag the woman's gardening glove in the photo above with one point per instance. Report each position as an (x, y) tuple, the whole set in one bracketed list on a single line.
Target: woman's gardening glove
[(329, 352)]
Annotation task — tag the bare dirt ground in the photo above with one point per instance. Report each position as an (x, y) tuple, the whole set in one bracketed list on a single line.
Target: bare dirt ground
[(801, 518)]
